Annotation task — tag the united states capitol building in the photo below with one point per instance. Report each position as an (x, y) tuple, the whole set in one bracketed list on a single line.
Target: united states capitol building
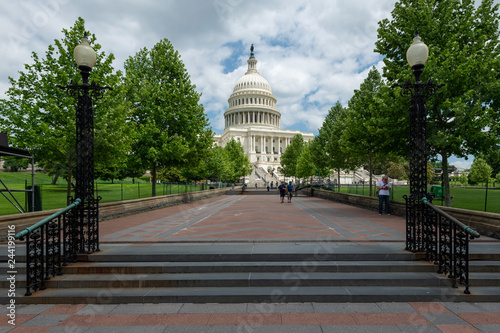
[(253, 119)]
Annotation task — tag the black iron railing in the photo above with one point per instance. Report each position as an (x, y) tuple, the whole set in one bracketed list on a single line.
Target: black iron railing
[(50, 244), (443, 238)]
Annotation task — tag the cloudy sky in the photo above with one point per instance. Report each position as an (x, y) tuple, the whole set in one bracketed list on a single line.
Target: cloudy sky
[(312, 53)]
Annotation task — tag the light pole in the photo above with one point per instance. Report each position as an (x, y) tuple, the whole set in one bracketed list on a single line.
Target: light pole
[(84, 233), (416, 212), (284, 173)]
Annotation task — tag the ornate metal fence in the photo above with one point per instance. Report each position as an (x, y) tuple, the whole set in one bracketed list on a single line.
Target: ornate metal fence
[(50, 244), (443, 238)]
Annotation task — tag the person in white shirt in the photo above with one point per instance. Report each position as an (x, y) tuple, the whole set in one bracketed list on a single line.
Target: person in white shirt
[(383, 187)]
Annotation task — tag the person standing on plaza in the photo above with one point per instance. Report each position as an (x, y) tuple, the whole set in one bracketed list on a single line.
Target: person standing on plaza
[(289, 190), (282, 189), (267, 185), (383, 187)]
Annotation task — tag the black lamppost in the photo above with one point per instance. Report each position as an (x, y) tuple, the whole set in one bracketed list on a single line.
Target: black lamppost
[(83, 234), (416, 211)]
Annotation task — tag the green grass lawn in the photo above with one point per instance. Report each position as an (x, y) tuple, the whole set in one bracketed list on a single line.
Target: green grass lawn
[(54, 196), (472, 198)]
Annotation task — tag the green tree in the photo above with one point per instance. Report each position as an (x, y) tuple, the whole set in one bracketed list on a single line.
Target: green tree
[(40, 117), (290, 156), (238, 162), (398, 171), (492, 157), (463, 43), (328, 138), (480, 171), (463, 179), (305, 167), (217, 165), (14, 164), (368, 136), (172, 129)]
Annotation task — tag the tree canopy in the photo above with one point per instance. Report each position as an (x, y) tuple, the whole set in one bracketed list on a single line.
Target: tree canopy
[(290, 157), (170, 125), (463, 43), (40, 117)]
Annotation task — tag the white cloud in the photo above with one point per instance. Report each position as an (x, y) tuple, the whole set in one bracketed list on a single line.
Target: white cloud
[(313, 53)]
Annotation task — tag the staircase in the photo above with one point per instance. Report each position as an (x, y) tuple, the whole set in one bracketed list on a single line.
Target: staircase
[(258, 272)]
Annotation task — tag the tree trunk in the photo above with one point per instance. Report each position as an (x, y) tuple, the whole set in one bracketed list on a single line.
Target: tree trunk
[(486, 196), (446, 180), (153, 177), (338, 179), (68, 189), (371, 174), (54, 180)]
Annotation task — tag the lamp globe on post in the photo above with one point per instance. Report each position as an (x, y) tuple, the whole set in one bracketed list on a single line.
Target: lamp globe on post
[(416, 56), (85, 58)]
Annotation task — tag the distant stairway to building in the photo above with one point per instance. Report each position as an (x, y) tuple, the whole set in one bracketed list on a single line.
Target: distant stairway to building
[(233, 275)]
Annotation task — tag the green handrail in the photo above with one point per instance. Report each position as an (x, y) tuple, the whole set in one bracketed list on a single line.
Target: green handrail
[(23, 233)]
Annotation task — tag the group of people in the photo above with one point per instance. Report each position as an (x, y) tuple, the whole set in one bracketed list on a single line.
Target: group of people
[(286, 189), (383, 188)]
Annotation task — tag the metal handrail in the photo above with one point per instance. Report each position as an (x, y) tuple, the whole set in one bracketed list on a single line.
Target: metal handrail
[(24, 232), (467, 229), (443, 238), (50, 244)]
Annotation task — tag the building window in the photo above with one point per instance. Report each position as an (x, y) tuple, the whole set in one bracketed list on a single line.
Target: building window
[(257, 158), (268, 159)]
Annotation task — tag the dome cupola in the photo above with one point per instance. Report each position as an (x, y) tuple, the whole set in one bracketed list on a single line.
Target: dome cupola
[(252, 101)]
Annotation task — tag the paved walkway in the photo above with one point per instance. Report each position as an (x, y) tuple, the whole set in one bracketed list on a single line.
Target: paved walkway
[(269, 317), (256, 219)]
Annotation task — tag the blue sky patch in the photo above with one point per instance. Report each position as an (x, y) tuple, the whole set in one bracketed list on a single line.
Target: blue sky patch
[(231, 63)]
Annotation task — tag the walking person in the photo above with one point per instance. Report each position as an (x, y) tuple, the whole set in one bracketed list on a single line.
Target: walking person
[(267, 185), (282, 189), (383, 187), (290, 191)]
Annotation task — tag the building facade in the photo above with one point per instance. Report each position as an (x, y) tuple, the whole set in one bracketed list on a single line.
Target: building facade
[(253, 119)]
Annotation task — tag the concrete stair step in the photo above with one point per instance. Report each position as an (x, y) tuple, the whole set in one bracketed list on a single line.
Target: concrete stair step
[(250, 257), (212, 267), (255, 294), (484, 266), (256, 266), (227, 280)]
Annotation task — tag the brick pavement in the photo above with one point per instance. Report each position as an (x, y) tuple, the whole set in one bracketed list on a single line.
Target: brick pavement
[(252, 218), (255, 218), (268, 317)]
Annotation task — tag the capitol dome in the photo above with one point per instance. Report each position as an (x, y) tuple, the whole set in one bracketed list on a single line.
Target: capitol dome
[(252, 101), (252, 81)]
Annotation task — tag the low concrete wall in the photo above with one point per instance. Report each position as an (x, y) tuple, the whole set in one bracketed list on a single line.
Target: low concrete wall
[(487, 224), (111, 210)]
